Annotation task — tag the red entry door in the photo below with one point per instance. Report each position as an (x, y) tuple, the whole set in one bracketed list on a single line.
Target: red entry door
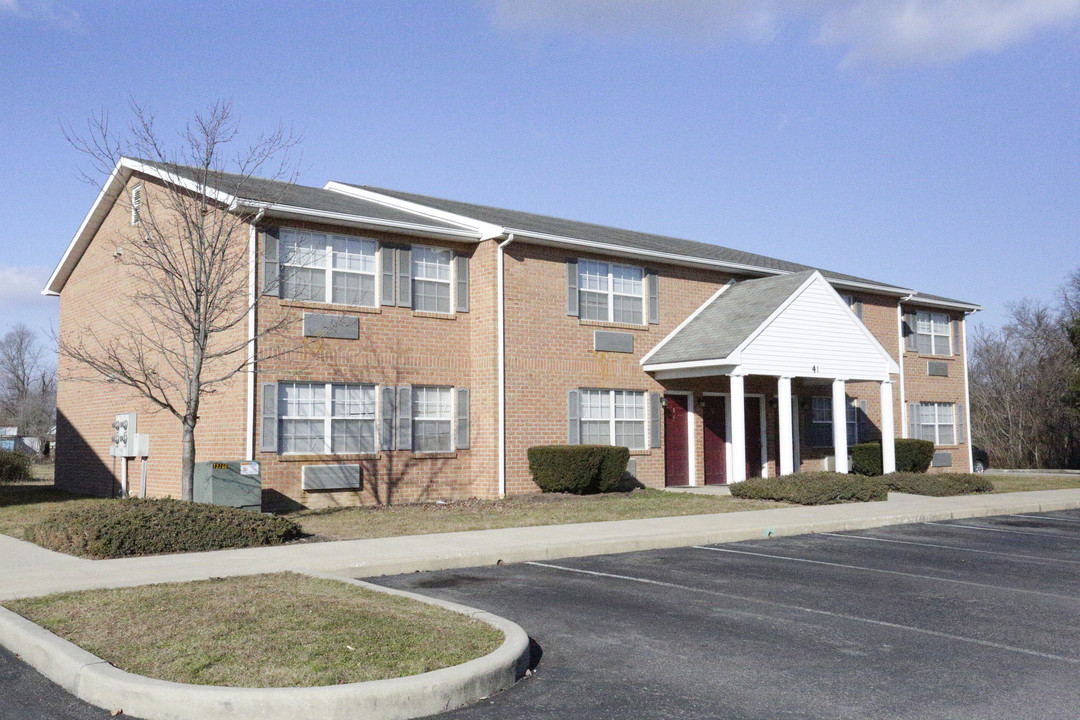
[(676, 453), (714, 415), (753, 437)]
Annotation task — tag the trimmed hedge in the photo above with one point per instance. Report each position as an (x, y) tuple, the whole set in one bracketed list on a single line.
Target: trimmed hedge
[(126, 528), (14, 467), (817, 488), (866, 459), (938, 485), (913, 455), (577, 469)]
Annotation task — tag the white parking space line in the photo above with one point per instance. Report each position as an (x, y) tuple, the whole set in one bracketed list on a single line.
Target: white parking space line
[(887, 572), (1042, 560), (1047, 517), (999, 530), (811, 611)]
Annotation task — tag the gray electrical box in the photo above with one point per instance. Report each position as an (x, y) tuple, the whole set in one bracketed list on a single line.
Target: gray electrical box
[(234, 483)]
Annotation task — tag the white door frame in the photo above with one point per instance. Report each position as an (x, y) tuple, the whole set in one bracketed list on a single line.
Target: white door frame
[(690, 468), (763, 435)]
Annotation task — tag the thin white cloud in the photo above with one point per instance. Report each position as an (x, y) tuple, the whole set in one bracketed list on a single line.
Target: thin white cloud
[(20, 288), (46, 11), (887, 32)]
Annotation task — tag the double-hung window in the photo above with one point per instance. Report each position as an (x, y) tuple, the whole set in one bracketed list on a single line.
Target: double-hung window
[(328, 268), (933, 333), (326, 417), (937, 423), (821, 422), (613, 417), (611, 293), (432, 419), (431, 278)]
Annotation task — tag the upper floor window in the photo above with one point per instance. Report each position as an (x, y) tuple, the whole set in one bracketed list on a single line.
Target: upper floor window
[(855, 304), (821, 422), (326, 417), (611, 292), (431, 278), (613, 417), (933, 333), (936, 422), (328, 268)]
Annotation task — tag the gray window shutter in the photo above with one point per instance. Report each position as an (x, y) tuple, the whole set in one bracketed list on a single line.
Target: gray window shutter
[(573, 415), (404, 418), (571, 288), (865, 428), (268, 427), (911, 338), (386, 417), (857, 306), (653, 281), (386, 260), (960, 425), (914, 429), (462, 397), (656, 421), (404, 277), (956, 336), (461, 275), (271, 272)]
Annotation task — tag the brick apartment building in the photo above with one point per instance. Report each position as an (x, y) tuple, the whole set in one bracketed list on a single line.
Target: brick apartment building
[(425, 344)]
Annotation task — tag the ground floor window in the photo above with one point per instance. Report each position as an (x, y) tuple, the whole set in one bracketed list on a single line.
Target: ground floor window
[(937, 423), (326, 417), (821, 422), (433, 419), (613, 417)]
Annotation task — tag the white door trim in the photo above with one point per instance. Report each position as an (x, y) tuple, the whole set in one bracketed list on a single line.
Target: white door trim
[(690, 465)]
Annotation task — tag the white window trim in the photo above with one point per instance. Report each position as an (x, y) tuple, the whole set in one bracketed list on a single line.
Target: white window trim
[(919, 316), (328, 419), (611, 420), (937, 424), (329, 270), (852, 404), (413, 419), (451, 283), (610, 292)]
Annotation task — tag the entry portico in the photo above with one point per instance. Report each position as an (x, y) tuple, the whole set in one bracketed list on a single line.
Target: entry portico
[(788, 327)]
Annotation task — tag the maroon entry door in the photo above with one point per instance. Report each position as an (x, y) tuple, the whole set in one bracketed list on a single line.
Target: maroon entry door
[(753, 437), (714, 414), (676, 453)]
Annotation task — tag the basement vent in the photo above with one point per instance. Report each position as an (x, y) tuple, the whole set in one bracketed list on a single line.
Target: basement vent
[(331, 477), (942, 459)]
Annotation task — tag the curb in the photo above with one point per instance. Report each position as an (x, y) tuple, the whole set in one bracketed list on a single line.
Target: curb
[(660, 539), (95, 681)]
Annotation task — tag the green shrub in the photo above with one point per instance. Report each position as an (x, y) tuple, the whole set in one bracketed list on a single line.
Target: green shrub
[(938, 485), (913, 455), (126, 528), (578, 469), (866, 459), (14, 467), (818, 488)]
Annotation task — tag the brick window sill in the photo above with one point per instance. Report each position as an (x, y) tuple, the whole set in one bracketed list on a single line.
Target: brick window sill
[(435, 455), (620, 326), (635, 453), (435, 315), (323, 458), (309, 305)]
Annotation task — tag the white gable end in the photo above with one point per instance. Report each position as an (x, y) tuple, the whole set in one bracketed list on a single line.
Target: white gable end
[(815, 335)]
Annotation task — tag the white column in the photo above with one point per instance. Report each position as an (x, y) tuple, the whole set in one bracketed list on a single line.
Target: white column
[(738, 430), (783, 407), (888, 432), (839, 425)]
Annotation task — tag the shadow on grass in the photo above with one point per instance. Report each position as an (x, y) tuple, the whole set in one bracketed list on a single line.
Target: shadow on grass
[(14, 495)]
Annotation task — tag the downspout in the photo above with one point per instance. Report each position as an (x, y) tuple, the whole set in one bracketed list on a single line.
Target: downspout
[(501, 358), (967, 394), (249, 434), (902, 347)]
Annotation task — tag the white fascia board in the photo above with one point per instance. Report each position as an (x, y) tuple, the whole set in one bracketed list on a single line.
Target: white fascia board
[(174, 179), (730, 360), (712, 371), (486, 230), (883, 289), (815, 277), (947, 304), (90, 224), (684, 323), (301, 213)]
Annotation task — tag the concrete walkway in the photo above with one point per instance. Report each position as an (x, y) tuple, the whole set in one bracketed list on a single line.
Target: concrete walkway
[(27, 570)]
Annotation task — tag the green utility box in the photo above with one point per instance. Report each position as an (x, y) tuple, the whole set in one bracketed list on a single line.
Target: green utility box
[(235, 483)]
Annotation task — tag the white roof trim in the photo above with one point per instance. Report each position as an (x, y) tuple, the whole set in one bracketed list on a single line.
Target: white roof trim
[(486, 230), (278, 209), (914, 299), (685, 322), (732, 359)]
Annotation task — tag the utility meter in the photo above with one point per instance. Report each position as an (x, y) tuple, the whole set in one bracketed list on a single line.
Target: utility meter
[(123, 439)]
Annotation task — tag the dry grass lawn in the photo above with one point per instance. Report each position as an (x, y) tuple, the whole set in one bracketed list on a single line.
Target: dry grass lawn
[(517, 511), (24, 504), (282, 630), (1023, 483)]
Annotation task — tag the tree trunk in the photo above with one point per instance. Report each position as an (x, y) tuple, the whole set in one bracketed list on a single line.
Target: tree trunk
[(187, 471)]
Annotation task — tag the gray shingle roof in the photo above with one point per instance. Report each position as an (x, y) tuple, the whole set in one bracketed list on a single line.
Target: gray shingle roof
[(722, 326), (302, 196)]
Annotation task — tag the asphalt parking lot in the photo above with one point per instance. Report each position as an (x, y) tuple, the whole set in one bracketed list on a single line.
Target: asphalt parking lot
[(966, 619)]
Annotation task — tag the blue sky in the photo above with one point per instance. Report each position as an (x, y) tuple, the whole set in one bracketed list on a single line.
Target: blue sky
[(933, 145)]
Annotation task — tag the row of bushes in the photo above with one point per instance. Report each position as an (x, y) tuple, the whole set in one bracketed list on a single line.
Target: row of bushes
[(814, 488), (14, 467), (578, 469), (127, 528), (938, 485), (912, 456)]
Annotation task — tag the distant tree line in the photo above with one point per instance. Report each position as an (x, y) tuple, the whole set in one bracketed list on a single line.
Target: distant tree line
[(1025, 384), (27, 383)]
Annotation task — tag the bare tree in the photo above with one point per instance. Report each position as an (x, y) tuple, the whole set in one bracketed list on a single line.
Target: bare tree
[(27, 382), (186, 262)]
